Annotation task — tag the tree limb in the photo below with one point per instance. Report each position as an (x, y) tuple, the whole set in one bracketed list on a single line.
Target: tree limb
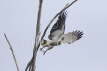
[(11, 49), (31, 65)]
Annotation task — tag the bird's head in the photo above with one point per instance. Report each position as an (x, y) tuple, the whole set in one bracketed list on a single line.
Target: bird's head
[(43, 42)]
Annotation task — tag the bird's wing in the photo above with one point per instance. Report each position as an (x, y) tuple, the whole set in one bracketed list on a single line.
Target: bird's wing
[(71, 37), (58, 28)]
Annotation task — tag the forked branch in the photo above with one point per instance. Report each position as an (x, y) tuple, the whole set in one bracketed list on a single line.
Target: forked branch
[(31, 66)]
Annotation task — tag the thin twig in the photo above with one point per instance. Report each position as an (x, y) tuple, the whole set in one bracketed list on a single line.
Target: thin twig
[(37, 33), (11, 49)]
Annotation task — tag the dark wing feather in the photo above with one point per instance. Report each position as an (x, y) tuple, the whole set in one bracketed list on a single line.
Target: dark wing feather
[(59, 25)]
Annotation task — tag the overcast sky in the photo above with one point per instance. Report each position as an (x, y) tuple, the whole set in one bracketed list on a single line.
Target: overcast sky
[(18, 19)]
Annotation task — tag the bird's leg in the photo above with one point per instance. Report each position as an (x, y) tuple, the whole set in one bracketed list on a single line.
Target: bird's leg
[(47, 50)]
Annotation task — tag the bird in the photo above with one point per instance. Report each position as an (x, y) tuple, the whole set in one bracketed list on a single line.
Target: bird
[(57, 35), (68, 38), (56, 32)]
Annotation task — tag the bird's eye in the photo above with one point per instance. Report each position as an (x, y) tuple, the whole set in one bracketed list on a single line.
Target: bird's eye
[(44, 42)]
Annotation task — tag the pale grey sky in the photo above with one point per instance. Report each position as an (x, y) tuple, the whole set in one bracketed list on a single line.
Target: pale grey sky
[(18, 18)]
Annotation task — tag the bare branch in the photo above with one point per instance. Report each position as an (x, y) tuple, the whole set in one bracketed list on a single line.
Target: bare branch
[(39, 17), (31, 65), (37, 32), (11, 49)]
